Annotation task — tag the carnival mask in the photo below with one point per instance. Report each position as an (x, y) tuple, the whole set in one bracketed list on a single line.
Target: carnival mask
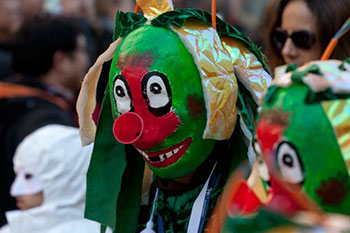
[(303, 132), (158, 102)]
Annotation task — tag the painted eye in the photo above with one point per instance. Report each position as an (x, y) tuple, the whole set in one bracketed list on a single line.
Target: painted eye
[(262, 167), (122, 95), (289, 163), (156, 91)]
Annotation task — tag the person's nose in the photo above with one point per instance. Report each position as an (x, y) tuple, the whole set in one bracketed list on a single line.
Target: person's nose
[(289, 51)]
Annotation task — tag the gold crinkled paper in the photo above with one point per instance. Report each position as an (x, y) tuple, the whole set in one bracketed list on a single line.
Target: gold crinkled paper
[(220, 61), (338, 112), (248, 69), (218, 77), (152, 8)]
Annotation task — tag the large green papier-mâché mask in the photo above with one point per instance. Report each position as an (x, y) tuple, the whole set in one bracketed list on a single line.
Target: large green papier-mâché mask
[(154, 76)]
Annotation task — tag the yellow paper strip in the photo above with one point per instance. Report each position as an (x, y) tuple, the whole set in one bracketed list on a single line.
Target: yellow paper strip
[(338, 112), (152, 8)]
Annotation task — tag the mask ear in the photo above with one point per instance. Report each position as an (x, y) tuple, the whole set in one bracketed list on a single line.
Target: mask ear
[(114, 179), (86, 102)]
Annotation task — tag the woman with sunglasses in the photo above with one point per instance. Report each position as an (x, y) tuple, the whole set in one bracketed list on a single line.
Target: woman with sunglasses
[(297, 31)]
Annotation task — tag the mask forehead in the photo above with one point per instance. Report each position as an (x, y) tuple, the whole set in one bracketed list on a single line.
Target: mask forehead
[(159, 49)]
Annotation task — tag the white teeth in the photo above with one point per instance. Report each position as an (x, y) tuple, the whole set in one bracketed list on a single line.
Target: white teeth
[(161, 157), (169, 154)]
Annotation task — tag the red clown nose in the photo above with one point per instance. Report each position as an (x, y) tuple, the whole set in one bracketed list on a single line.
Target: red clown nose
[(128, 128)]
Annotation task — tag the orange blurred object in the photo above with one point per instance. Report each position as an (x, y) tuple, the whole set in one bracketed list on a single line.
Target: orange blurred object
[(213, 13)]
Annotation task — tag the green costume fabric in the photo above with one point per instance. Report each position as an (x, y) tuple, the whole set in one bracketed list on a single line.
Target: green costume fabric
[(105, 178), (115, 175), (176, 210)]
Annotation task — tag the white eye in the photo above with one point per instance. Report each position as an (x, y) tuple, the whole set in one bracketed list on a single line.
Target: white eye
[(289, 163), (262, 167), (122, 95), (156, 91)]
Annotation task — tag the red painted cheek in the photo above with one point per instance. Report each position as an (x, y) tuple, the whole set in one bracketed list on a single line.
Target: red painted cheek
[(282, 200), (268, 135), (156, 129), (195, 106), (333, 191)]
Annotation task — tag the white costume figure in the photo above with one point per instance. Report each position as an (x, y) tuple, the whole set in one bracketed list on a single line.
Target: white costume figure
[(51, 162)]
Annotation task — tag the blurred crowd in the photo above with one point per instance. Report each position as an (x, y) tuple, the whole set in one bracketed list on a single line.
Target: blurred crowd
[(46, 47), (97, 18), (94, 18)]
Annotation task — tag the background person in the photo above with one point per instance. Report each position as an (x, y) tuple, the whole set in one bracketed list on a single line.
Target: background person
[(298, 31), (10, 21), (51, 168), (31, 9), (50, 59)]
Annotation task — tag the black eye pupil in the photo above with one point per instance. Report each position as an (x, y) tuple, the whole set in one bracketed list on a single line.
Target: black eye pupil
[(28, 176), (155, 88), (288, 160), (120, 91)]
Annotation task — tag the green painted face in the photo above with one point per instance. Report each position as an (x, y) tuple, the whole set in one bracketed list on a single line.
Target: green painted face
[(298, 141), (154, 76)]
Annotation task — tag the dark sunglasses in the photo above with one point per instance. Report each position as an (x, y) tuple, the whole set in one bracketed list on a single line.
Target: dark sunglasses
[(302, 39)]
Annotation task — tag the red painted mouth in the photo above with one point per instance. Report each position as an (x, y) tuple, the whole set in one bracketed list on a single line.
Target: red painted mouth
[(168, 156)]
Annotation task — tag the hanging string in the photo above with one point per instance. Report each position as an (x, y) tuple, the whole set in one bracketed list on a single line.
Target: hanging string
[(137, 8), (333, 43), (150, 224), (213, 13)]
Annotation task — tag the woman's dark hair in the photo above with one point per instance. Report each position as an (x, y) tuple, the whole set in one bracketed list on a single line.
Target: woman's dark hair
[(39, 39), (330, 16)]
